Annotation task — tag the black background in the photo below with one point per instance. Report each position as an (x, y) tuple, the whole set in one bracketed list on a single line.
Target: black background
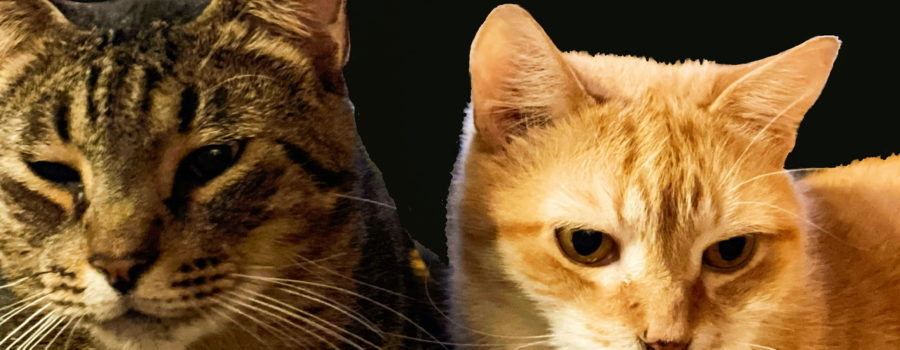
[(408, 77)]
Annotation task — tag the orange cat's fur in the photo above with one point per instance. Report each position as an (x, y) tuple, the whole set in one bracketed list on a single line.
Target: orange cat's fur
[(667, 159)]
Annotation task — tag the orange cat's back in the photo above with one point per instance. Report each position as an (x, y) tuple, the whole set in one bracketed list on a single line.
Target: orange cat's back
[(858, 242)]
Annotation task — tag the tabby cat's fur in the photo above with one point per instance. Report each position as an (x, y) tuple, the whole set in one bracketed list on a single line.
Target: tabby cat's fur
[(193, 183), (670, 164)]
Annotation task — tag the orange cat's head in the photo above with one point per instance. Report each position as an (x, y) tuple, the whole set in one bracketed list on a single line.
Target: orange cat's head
[(606, 202)]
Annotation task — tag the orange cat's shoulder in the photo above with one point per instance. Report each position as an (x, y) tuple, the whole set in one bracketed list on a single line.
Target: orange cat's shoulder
[(873, 180), (865, 193), (882, 171)]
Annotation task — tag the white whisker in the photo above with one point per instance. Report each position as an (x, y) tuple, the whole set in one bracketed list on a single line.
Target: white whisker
[(366, 200), (23, 300), (48, 322), (72, 333), (282, 336), (284, 282), (27, 320), (737, 163), (241, 326), (524, 346), (807, 221), (238, 77), (287, 321), (295, 263), (338, 274), (452, 321), (29, 334), (315, 317), (15, 283), (12, 313), (356, 316), (735, 187), (467, 345), (61, 331)]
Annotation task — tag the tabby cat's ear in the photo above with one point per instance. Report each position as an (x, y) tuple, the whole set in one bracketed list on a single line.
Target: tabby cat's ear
[(23, 23), (769, 97), (519, 77), (316, 27)]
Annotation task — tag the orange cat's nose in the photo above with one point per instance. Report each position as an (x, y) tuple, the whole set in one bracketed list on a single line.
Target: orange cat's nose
[(122, 274), (666, 345)]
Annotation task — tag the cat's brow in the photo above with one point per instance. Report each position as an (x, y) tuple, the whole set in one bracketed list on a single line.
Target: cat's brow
[(327, 178), (188, 108), (62, 117)]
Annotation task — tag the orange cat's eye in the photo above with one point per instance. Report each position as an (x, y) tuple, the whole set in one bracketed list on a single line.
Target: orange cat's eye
[(587, 247), (731, 254)]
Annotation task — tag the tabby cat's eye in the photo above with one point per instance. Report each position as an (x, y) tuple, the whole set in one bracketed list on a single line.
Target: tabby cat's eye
[(57, 173), (731, 254), (209, 162), (587, 247)]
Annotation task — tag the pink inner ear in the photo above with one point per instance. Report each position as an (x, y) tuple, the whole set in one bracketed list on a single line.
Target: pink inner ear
[(331, 19), (519, 77), (317, 27), (326, 11), (769, 97)]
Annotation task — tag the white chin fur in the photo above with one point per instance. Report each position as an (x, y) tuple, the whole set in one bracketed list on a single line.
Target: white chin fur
[(173, 339)]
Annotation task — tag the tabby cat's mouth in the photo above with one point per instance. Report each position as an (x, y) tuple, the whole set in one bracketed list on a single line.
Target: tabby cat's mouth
[(136, 316), (136, 324), (134, 319)]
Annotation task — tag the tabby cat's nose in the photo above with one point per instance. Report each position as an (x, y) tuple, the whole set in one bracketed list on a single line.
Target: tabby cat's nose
[(665, 345), (122, 274)]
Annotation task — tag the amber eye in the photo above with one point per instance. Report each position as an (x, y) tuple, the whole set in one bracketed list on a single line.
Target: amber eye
[(731, 254), (587, 247)]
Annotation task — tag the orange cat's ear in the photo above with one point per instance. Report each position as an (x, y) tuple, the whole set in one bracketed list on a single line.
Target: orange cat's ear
[(769, 97), (519, 77)]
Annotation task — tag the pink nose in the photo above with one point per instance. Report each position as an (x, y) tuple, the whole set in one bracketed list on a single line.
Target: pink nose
[(122, 274), (665, 345)]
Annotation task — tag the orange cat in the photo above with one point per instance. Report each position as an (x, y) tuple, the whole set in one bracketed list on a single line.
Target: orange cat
[(606, 202)]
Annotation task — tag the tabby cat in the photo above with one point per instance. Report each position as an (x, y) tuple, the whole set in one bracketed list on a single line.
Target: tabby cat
[(606, 202), (187, 175)]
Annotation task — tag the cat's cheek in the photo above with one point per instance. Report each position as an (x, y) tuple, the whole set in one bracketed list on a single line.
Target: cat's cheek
[(99, 298)]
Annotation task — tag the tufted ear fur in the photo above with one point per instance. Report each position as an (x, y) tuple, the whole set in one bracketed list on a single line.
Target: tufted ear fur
[(317, 27), (769, 97), (519, 77), (22, 22), (23, 27)]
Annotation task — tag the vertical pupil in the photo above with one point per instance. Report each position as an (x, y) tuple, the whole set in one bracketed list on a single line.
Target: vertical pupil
[(586, 242), (732, 248)]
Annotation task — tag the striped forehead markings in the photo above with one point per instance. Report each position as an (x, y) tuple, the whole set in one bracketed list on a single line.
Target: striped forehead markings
[(62, 117), (90, 85), (327, 178), (188, 106), (152, 77)]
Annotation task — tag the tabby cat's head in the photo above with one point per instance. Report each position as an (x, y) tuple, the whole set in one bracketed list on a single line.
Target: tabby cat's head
[(632, 202), (146, 174)]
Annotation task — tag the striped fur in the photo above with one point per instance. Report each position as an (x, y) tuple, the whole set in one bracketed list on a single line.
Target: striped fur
[(668, 159), (295, 245)]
